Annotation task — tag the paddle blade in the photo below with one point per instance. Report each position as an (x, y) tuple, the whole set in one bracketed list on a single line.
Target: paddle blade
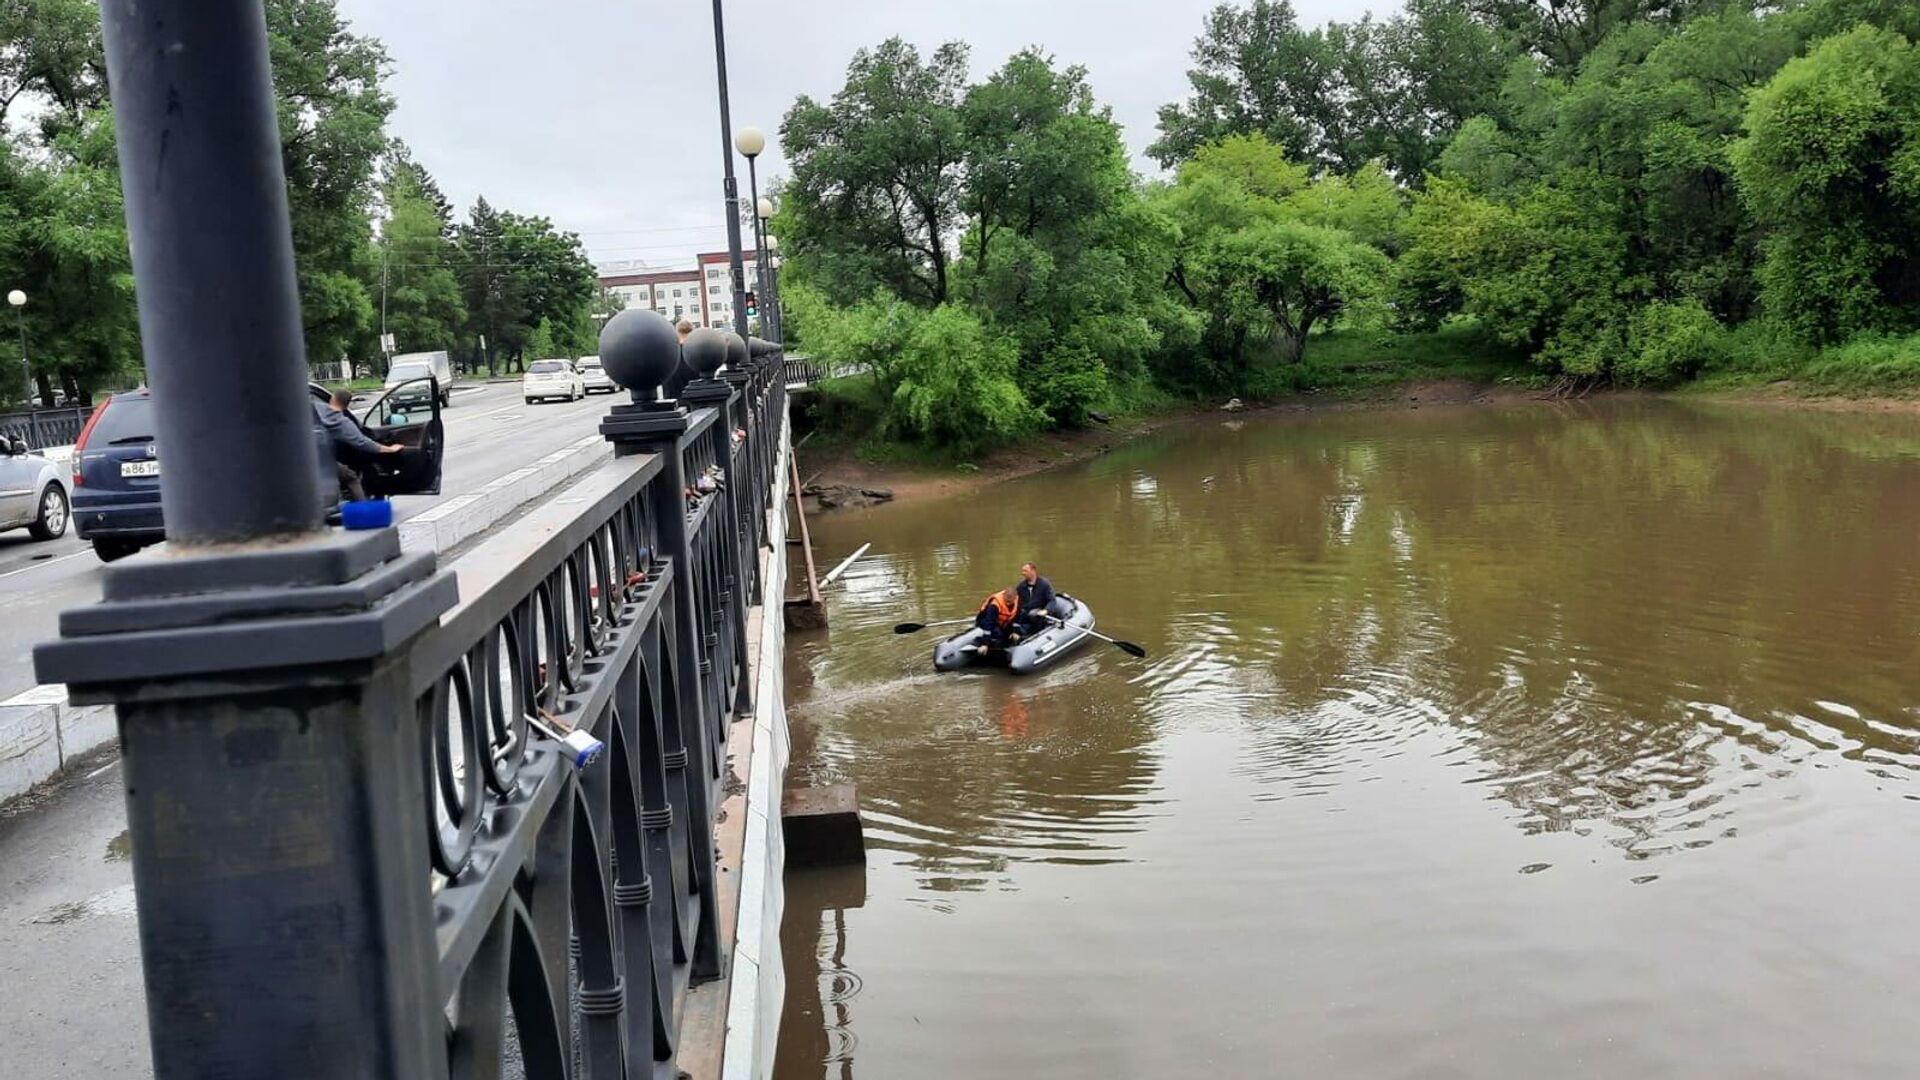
[(1131, 649), (909, 628)]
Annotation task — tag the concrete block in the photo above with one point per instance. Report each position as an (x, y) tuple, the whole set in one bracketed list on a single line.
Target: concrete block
[(29, 746), (821, 826), (84, 727)]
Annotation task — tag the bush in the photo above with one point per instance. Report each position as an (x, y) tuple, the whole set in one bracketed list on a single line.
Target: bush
[(1669, 342), (953, 382)]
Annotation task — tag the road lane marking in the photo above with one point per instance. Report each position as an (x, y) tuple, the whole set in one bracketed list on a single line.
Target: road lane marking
[(43, 565), (103, 768)]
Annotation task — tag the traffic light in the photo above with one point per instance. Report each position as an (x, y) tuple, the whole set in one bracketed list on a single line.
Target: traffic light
[(753, 305)]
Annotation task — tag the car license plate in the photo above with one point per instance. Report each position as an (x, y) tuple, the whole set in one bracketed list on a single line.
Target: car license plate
[(139, 468)]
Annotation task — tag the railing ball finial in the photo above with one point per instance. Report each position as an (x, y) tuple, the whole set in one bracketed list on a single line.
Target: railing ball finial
[(705, 350), (736, 351), (639, 350)]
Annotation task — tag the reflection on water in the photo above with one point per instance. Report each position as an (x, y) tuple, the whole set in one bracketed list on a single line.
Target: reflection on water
[(1572, 741)]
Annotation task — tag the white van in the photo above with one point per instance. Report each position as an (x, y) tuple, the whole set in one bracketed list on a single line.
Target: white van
[(418, 365)]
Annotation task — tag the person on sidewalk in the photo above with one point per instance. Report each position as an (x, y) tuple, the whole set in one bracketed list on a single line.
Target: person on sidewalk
[(352, 449)]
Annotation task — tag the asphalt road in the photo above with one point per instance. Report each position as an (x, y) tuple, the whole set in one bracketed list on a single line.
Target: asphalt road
[(490, 432)]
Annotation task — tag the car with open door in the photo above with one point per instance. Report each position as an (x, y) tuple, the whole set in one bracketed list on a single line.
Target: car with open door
[(117, 463), (406, 415), (32, 494)]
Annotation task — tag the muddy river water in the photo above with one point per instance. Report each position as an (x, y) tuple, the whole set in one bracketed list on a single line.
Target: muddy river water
[(1536, 741)]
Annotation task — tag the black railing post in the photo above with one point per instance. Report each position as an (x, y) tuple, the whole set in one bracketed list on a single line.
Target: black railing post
[(268, 730), (640, 351), (710, 392)]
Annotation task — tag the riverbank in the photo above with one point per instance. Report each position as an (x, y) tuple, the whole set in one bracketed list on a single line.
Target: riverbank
[(827, 462)]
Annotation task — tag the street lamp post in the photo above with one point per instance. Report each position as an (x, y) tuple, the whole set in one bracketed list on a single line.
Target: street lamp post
[(773, 287), (730, 185), (762, 222), (19, 301), (750, 142)]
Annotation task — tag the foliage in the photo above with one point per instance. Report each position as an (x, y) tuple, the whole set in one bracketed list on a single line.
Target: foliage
[(876, 175), (519, 273), (943, 376), (332, 112), (1830, 164), (1669, 342), (1274, 281), (1336, 97), (1263, 254)]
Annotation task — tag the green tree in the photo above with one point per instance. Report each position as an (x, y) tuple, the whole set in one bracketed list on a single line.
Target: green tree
[(874, 193), (53, 56), (423, 307), (332, 111), (1255, 72), (1277, 280), (1830, 165), (1058, 253)]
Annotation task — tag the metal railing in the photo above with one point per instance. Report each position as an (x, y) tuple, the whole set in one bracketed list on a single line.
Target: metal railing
[(580, 626), (367, 841), (579, 902), (42, 428), (802, 371)]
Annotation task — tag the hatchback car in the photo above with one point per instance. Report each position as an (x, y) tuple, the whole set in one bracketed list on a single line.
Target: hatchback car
[(32, 495), (593, 377), (549, 379), (116, 463)]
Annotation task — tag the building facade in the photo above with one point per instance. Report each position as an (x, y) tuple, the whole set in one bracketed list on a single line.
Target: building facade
[(702, 295)]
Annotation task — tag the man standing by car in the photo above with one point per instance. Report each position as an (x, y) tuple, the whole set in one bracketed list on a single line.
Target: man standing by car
[(352, 449)]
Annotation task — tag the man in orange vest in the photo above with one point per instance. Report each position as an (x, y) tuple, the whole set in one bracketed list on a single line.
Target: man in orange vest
[(995, 619)]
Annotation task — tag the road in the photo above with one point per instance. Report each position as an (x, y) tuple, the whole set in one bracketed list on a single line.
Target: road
[(490, 432)]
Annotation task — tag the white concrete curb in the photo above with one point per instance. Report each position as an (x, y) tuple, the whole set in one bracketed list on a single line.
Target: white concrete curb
[(40, 733)]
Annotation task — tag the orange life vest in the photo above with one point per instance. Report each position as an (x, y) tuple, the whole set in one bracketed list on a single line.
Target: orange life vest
[(1004, 607)]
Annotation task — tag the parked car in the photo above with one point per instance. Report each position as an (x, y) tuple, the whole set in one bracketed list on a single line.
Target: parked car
[(32, 495), (594, 377), (549, 379), (411, 367), (116, 462)]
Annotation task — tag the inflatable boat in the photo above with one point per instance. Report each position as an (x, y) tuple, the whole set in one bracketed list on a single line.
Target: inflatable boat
[(1031, 654)]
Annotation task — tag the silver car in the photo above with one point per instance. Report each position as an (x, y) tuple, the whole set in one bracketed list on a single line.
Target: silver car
[(593, 377), (33, 494)]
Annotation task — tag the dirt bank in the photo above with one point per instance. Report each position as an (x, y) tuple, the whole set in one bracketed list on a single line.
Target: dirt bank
[(839, 466)]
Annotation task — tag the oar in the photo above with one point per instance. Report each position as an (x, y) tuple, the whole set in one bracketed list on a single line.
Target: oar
[(1127, 647), (916, 627)]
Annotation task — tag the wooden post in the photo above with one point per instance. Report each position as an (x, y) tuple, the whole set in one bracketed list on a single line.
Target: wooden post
[(804, 612)]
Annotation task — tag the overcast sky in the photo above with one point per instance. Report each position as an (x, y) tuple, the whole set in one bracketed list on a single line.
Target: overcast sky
[(603, 114)]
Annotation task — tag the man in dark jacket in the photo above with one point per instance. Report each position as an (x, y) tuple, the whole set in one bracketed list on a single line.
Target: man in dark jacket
[(1036, 600), (352, 449)]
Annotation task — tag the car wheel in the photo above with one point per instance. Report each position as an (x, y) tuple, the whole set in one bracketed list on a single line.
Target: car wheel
[(51, 522), (111, 550)]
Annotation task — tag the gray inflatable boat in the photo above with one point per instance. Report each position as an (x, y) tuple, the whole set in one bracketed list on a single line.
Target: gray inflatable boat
[(962, 650)]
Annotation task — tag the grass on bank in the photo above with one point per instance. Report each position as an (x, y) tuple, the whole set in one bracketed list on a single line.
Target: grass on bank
[(1870, 365)]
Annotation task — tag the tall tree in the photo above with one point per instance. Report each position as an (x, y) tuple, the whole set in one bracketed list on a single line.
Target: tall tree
[(333, 111), (1830, 163), (1255, 71), (421, 300), (51, 56), (876, 174)]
